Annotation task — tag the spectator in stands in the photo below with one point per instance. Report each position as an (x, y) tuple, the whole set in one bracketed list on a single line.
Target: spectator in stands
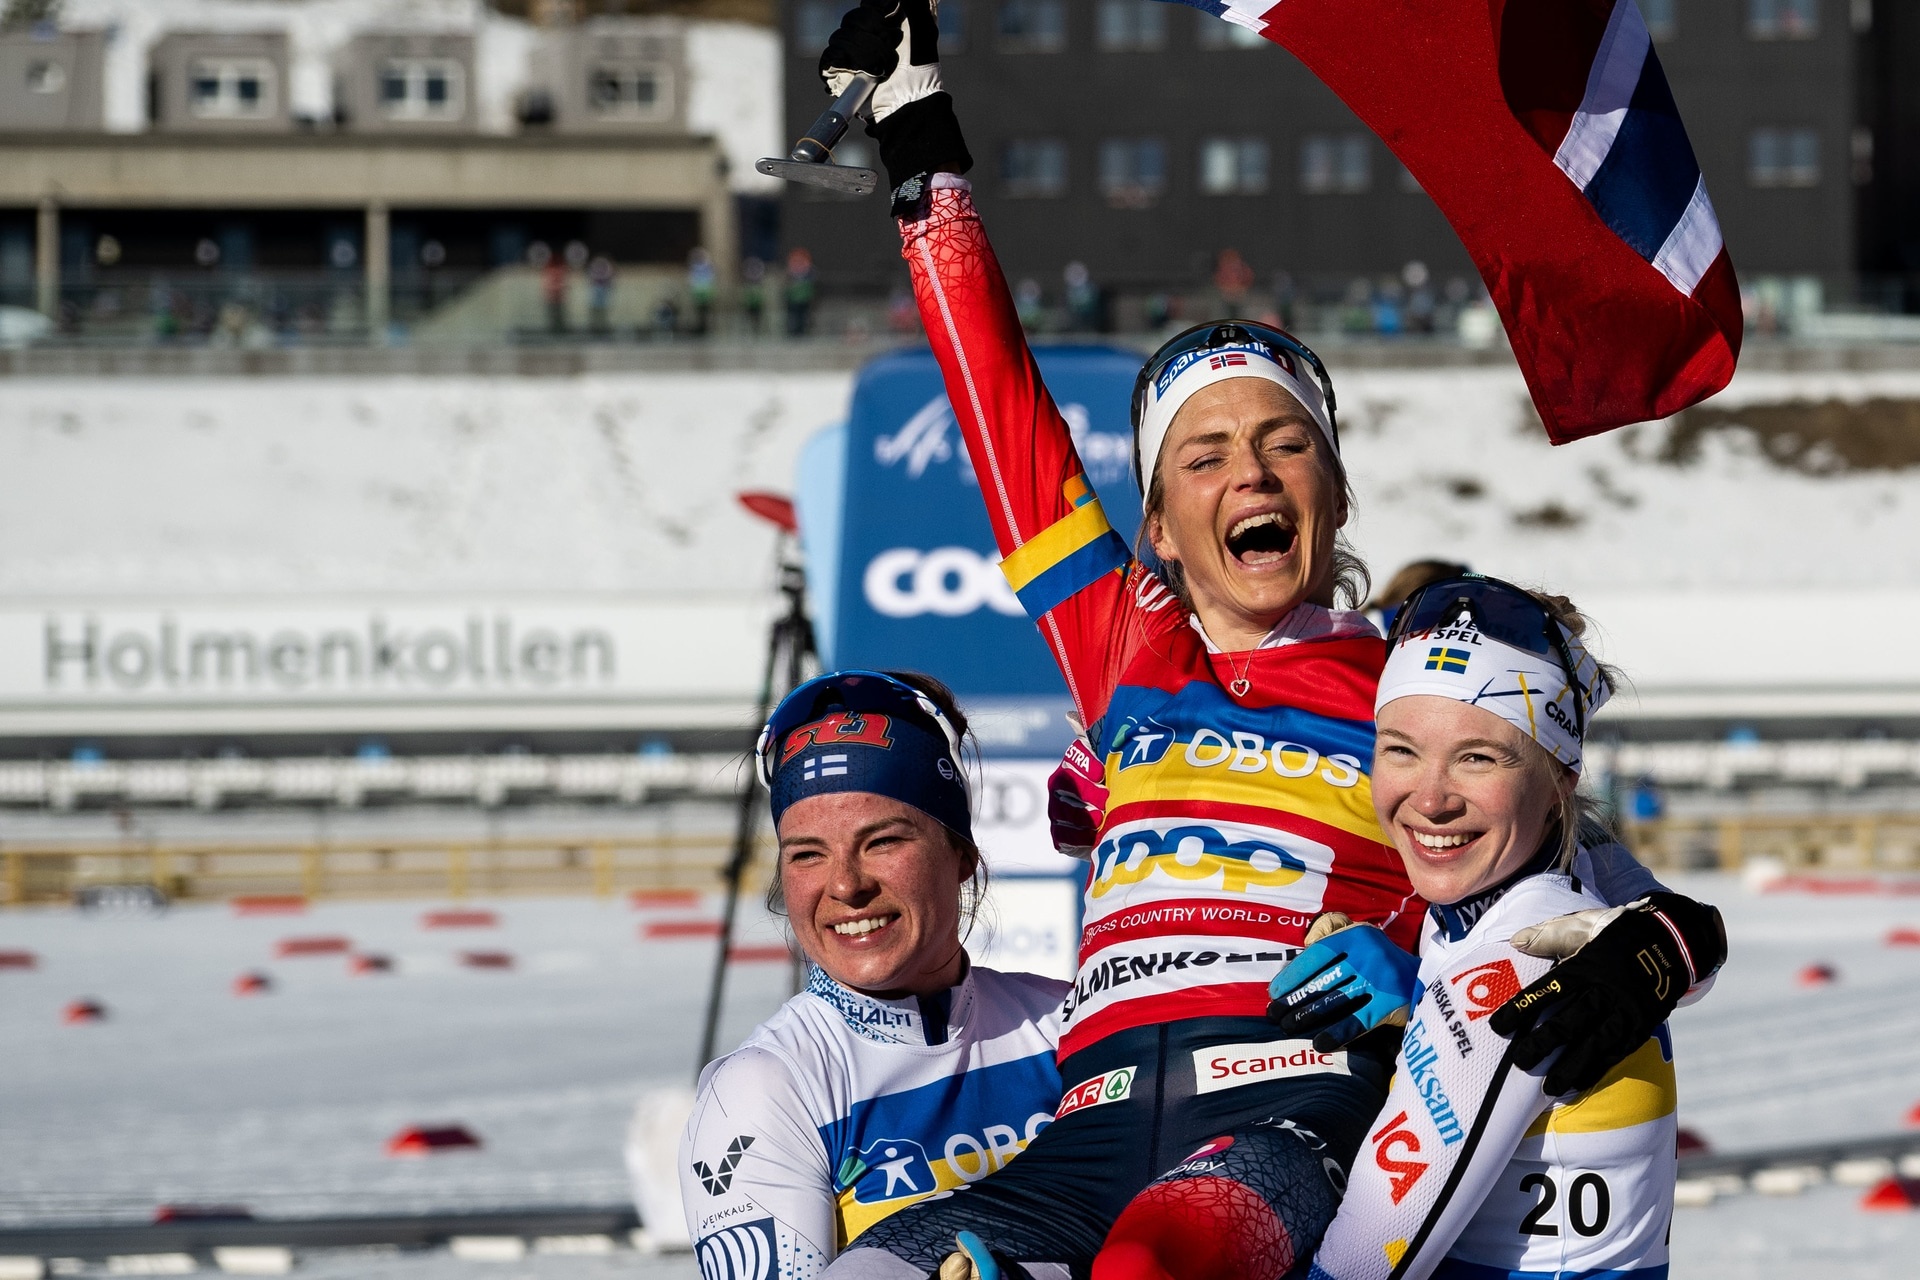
[(799, 296)]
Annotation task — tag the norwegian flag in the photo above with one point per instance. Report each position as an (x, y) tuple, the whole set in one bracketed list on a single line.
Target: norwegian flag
[(1546, 133)]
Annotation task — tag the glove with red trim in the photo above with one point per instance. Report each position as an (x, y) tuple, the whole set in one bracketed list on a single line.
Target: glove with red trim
[(1077, 801)]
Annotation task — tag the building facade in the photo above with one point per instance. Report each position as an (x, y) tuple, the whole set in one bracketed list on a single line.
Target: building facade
[(1143, 139)]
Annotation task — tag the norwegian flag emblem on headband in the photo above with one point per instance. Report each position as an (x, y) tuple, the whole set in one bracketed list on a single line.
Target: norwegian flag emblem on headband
[(1227, 360), (1545, 132)]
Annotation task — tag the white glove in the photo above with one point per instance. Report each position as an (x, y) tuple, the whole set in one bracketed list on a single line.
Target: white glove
[(895, 41)]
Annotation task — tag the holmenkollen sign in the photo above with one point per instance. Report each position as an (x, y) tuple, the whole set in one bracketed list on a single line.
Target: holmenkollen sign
[(563, 663)]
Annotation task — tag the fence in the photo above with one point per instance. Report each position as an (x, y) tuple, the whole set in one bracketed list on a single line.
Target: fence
[(1865, 842), (596, 865)]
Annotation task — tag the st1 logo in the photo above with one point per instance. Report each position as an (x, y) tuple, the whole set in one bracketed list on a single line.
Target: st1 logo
[(1488, 986), (948, 582), (1394, 1137)]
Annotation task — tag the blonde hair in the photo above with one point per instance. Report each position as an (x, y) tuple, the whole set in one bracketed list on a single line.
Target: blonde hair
[(1578, 815)]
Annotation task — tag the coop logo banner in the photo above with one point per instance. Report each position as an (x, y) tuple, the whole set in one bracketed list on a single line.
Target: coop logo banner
[(67, 655), (918, 583)]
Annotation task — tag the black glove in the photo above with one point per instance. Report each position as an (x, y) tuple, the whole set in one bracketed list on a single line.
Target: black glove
[(1602, 1003), (897, 42)]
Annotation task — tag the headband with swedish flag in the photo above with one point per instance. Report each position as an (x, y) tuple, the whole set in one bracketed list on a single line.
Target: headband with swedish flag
[(1533, 692)]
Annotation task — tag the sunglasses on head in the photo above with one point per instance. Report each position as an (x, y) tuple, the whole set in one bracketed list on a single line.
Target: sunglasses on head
[(1216, 334), (846, 693), (1498, 609)]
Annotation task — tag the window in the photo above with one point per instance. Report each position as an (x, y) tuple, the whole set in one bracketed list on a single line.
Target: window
[(1035, 167), (1336, 163), (231, 88), (1783, 19), (1660, 18), (1131, 24), (1233, 166), (1033, 26), (1133, 171), (1783, 158), (1217, 33), (630, 92), (814, 22), (46, 77), (422, 89)]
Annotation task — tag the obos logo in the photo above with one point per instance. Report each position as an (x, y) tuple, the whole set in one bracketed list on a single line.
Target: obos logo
[(743, 1251), (895, 1167), (1193, 853), (949, 582)]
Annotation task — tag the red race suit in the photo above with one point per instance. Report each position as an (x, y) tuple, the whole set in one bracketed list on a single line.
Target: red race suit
[(1233, 818)]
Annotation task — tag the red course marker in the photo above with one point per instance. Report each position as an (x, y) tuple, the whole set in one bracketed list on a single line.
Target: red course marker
[(487, 959), (1904, 937), (680, 929), (252, 984), (650, 899), (1689, 1143), (1893, 1193), (1818, 975), (84, 1011), (459, 920), (422, 1140), (327, 946), (19, 960), (1913, 1117), (369, 963), (270, 904)]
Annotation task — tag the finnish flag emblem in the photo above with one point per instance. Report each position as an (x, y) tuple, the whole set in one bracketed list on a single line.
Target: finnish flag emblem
[(823, 766)]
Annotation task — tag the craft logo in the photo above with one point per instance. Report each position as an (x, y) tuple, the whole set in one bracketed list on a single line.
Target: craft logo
[(1109, 1086), (717, 1180), (1488, 986), (744, 1251), (1442, 659), (839, 729), (890, 1168), (1228, 1066)]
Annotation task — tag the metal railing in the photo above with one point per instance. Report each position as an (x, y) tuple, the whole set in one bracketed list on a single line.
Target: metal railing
[(596, 865)]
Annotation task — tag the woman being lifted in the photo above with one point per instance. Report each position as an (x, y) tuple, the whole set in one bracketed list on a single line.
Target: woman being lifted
[(1230, 700)]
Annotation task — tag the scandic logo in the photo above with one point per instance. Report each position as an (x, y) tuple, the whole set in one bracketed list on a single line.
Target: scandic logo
[(1228, 1066), (1109, 1086)]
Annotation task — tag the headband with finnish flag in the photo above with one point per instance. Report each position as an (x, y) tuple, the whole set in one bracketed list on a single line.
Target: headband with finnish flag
[(1547, 135), (1530, 691), (1193, 371)]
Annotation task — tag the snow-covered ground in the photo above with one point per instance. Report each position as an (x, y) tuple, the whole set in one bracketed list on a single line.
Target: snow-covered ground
[(189, 1094)]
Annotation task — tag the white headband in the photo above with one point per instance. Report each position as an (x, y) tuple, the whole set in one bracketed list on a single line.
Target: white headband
[(1528, 691), (1192, 371)]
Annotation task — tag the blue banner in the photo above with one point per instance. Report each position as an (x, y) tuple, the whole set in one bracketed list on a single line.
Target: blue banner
[(902, 568)]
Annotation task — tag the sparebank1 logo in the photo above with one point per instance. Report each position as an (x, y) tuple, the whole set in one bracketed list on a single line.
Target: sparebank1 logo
[(893, 1167)]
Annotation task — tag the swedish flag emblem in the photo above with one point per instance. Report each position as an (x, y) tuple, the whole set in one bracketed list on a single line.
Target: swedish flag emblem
[(1440, 659)]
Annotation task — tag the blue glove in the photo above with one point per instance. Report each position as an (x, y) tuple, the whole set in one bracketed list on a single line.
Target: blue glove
[(1342, 987)]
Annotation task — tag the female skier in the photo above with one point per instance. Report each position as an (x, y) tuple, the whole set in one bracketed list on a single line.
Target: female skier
[(901, 1070), (1231, 702), (1476, 1165)]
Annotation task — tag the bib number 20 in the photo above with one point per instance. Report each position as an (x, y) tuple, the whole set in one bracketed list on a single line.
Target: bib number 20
[(1589, 1204)]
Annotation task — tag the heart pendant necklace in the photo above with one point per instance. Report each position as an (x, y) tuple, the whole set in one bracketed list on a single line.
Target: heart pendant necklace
[(1240, 684)]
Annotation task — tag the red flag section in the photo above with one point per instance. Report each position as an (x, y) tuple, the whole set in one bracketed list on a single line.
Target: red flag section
[(1546, 134)]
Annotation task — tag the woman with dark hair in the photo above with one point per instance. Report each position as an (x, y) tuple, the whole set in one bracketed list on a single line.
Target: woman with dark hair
[(902, 1069)]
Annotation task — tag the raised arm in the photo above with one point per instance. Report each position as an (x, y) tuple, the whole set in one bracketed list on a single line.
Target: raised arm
[(1058, 551)]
